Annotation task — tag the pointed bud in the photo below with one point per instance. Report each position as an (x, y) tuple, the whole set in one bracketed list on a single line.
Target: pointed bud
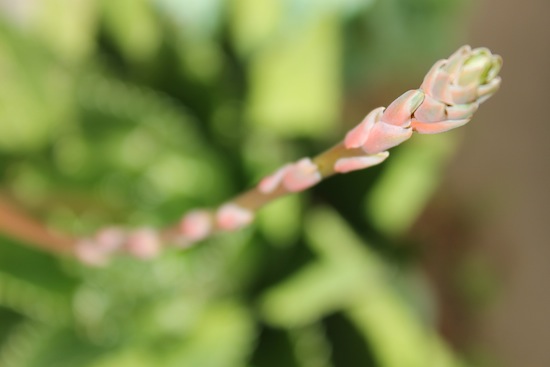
[(196, 225), (110, 239), (453, 64), (436, 82), (231, 217), (437, 127), (270, 183), (385, 136), (357, 136), (492, 73), (487, 90), (431, 110), (301, 175), (454, 89), (89, 253), (462, 111), (399, 112), (345, 165), (143, 243), (476, 68)]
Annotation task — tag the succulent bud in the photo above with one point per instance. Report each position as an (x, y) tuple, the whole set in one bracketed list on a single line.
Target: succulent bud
[(454, 88), (196, 225), (294, 177), (143, 243), (384, 128), (348, 164), (231, 217)]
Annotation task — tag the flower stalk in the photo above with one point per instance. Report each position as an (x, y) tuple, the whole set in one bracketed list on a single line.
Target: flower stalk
[(450, 94)]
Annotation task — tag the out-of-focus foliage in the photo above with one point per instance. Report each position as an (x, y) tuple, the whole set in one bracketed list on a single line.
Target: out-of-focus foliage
[(134, 111)]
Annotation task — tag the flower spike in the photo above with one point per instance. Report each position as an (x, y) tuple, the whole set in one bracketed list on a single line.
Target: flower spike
[(450, 94), (454, 89)]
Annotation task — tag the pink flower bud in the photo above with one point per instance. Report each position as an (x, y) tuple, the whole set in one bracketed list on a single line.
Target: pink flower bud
[(382, 128), (454, 89), (357, 136), (270, 183), (110, 239), (294, 177), (345, 165), (231, 217), (437, 127), (400, 111), (89, 253), (384, 136), (301, 175), (196, 225), (462, 111), (431, 110), (143, 243)]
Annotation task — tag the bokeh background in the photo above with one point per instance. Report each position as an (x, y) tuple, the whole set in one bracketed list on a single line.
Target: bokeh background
[(134, 111)]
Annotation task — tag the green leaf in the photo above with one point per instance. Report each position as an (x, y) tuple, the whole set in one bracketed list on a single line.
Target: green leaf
[(295, 81), (408, 182)]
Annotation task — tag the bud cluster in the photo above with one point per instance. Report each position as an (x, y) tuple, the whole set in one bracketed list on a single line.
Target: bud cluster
[(448, 97)]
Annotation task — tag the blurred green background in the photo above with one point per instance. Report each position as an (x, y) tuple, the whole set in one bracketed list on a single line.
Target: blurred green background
[(135, 111)]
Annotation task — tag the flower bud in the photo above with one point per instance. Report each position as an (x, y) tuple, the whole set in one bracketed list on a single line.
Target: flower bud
[(231, 217), (143, 243), (348, 164), (454, 89)]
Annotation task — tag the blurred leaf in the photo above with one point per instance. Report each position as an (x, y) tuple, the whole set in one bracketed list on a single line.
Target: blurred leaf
[(133, 27), (226, 329), (295, 82), (325, 286), (35, 95), (388, 325), (311, 346), (198, 19), (68, 26), (281, 220), (254, 23), (366, 294), (408, 182)]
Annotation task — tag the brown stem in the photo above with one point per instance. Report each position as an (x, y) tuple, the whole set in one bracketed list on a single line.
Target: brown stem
[(18, 224)]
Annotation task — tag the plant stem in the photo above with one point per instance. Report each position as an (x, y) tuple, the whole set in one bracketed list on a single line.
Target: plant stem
[(448, 97), (18, 224)]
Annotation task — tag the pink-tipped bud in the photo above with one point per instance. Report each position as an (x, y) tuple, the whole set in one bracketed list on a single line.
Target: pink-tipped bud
[(231, 217), (462, 111), (400, 111), (345, 165), (454, 89), (294, 177), (110, 239), (143, 243), (431, 110), (301, 175), (89, 253), (270, 183), (357, 136), (374, 135), (384, 136), (437, 127), (196, 225)]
